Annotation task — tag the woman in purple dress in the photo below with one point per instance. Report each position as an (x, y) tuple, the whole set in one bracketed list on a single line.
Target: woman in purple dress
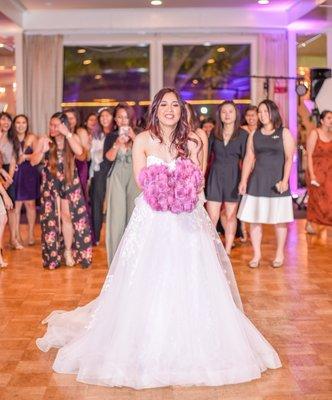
[(26, 178)]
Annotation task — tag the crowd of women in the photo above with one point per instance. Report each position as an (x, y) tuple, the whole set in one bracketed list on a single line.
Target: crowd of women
[(82, 171)]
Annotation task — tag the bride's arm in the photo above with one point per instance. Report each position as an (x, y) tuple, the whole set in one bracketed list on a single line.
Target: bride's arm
[(139, 154)]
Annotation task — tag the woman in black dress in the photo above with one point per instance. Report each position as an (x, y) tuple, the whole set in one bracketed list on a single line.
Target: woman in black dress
[(228, 145), (98, 179), (267, 199)]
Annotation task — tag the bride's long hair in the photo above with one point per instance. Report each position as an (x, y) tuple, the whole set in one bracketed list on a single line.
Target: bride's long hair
[(180, 135)]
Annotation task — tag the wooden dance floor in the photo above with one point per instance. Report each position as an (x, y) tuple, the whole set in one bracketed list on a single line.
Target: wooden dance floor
[(291, 306)]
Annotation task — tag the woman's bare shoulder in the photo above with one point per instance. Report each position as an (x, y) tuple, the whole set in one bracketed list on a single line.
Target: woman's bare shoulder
[(143, 137)]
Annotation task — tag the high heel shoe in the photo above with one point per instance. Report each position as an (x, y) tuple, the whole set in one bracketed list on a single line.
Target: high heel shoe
[(3, 264), (69, 260), (277, 263), (254, 263)]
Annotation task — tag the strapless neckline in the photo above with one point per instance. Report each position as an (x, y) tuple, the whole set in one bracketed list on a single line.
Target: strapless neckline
[(159, 160)]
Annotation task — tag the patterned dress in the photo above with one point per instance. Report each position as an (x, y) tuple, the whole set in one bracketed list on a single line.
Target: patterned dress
[(52, 190)]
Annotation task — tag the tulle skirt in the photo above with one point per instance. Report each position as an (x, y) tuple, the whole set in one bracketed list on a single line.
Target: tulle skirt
[(168, 314)]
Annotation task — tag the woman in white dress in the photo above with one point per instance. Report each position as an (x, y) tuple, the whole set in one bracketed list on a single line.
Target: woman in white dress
[(169, 312)]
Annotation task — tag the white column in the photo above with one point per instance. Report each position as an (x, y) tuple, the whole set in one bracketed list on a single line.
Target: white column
[(292, 102), (329, 48), (156, 66), (18, 37)]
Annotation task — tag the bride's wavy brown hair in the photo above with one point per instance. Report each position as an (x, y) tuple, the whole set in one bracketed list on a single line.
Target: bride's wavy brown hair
[(180, 135), (68, 155)]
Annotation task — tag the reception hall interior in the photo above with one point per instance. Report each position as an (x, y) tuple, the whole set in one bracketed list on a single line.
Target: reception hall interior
[(91, 60)]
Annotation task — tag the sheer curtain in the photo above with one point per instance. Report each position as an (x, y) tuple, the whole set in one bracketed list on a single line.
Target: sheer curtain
[(273, 61), (43, 78)]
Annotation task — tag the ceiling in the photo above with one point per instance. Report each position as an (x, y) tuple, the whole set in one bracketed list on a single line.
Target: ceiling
[(315, 45), (89, 4)]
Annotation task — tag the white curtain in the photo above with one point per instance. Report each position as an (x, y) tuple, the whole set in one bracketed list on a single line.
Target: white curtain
[(273, 61), (43, 79)]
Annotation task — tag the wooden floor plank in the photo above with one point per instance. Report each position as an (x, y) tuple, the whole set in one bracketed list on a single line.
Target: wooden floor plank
[(291, 306)]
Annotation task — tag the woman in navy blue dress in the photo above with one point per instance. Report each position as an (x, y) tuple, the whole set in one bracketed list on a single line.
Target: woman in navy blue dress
[(228, 144), (26, 178)]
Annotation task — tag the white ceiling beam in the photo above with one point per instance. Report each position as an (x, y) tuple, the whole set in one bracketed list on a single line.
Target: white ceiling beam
[(148, 20), (13, 10), (302, 8)]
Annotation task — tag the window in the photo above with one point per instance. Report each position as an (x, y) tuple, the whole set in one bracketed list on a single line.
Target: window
[(95, 75), (207, 74)]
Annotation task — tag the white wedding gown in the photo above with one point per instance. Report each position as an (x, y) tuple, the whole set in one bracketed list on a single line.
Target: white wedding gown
[(168, 314)]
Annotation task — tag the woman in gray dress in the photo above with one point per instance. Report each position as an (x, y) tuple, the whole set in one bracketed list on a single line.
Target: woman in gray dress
[(266, 197), (122, 189)]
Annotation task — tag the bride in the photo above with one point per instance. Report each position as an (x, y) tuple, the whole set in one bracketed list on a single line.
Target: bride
[(169, 312)]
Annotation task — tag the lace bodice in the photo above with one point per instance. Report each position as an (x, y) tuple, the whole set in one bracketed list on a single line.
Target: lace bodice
[(154, 160)]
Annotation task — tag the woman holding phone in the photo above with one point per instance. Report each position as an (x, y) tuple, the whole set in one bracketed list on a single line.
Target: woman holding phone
[(122, 189)]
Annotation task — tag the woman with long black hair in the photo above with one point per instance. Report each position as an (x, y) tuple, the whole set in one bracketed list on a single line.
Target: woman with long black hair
[(9, 148), (102, 141), (27, 177), (228, 145), (122, 188), (169, 312)]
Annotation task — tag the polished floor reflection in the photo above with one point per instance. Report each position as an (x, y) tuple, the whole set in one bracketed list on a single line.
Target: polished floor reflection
[(291, 306)]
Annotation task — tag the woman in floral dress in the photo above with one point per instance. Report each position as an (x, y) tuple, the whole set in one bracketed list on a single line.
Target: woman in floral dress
[(63, 217)]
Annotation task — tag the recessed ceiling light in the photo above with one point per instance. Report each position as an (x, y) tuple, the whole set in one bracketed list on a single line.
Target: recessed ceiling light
[(221, 49), (263, 2), (87, 62), (207, 44), (211, 61), (195, 81), (81, 51), (156, 2), (98, 76)]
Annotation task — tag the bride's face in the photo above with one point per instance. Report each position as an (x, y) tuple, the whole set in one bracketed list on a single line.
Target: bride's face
[(169, 110)]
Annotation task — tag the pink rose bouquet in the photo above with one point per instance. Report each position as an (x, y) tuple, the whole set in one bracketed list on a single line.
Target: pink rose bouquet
[(154, 181), (188, 180), (172, 190)]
